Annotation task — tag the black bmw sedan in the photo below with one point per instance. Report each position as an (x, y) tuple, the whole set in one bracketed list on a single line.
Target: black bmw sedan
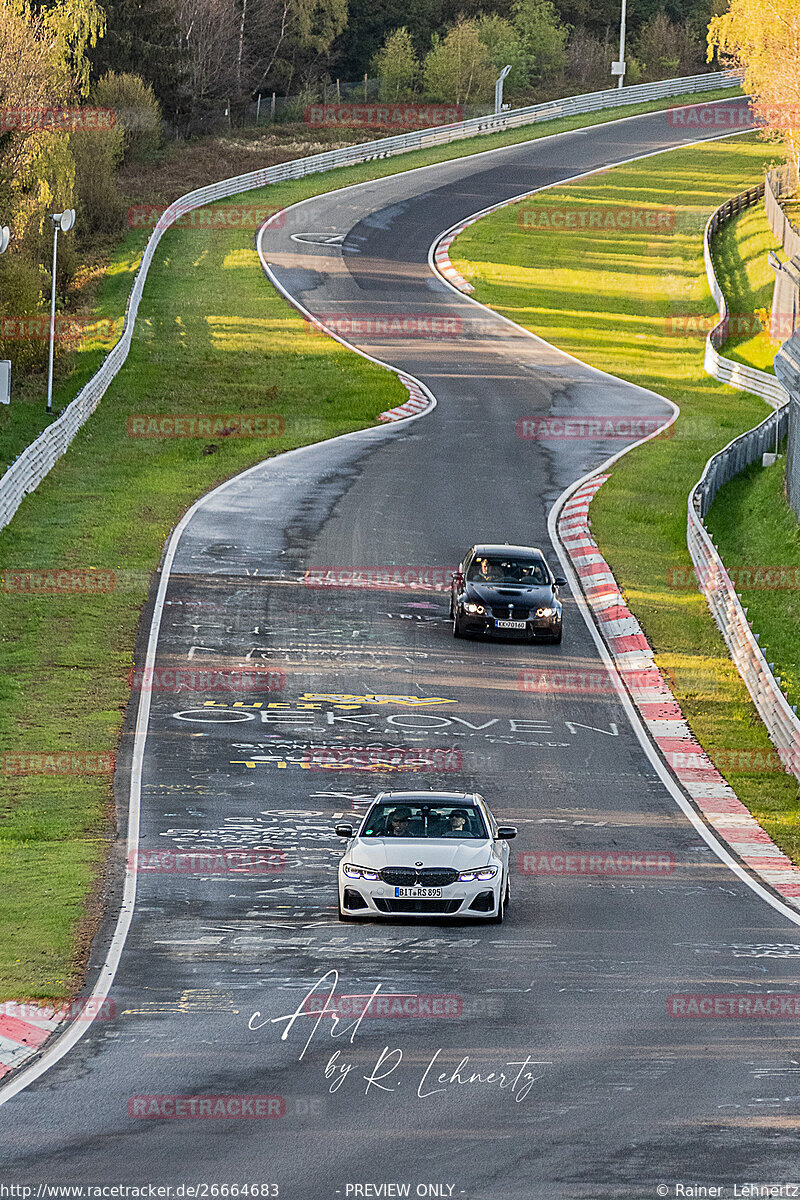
[(506, 590)]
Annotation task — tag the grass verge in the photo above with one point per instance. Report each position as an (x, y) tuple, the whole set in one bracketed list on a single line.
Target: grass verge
[(741, 261), (619, 299)]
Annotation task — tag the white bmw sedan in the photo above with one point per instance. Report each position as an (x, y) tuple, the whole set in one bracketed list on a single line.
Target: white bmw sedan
[(427, 854)]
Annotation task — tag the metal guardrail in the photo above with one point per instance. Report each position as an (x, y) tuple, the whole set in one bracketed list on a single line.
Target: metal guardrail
[(787, 368), (778, 182), (28, 470), (779, 717), (737, 375)]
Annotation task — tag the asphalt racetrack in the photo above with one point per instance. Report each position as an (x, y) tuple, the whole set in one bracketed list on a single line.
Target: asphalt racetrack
[(566, 1005)]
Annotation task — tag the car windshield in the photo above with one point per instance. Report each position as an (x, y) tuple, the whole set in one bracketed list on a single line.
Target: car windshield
[(424, 821), (491, 569)]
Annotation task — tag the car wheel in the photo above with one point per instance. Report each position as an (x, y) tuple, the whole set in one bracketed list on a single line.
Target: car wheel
[(501, 912), (457, 630), (343, 916), (556, 638)]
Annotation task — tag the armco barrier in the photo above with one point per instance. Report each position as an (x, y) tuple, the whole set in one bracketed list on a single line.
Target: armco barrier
[(713, 580), (28, 470), (774, 709), (737, 375), (787, 368), (778, 182)]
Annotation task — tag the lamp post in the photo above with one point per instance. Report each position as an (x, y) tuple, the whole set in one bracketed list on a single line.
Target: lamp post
[(62, 223), (498, 91), (618, 68)]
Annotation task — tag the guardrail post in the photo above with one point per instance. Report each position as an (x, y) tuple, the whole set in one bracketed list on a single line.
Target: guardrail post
[(787, 368)]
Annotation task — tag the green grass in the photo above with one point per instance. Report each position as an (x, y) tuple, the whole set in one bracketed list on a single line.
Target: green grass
[(741, 261), (620, 301), (211, 337)]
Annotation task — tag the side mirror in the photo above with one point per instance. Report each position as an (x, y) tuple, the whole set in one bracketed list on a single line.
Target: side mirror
[(560, 581), (506, 832), (458, 578), (345, 831)]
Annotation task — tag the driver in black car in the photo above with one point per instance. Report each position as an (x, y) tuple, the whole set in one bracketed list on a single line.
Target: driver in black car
[(488, 572)]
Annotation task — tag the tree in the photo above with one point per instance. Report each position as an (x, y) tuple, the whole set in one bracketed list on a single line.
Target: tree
[(290, 37), (143, 38), (589, 59), (542, 35), (458, 67), (138, 112), (762, 38), (505, 49), (396, 65), (43, 64), (209, 33), (667, 49)]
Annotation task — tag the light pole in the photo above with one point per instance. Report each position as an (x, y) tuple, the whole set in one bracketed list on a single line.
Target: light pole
[(618, 68), (62, 223), (498, 91)]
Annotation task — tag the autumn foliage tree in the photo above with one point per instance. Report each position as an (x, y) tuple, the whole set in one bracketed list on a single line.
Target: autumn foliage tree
[(762, 38)]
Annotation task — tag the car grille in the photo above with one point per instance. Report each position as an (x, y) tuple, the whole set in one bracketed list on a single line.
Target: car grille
[(517, 613), (444, 907), (419, 876)]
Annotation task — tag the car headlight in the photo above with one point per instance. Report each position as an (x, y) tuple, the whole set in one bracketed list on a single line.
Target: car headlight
[(471, 607), (545, 612), (480, 873), (354, 872)]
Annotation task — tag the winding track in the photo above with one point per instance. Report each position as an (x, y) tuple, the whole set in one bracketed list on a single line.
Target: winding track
[(578, 977)]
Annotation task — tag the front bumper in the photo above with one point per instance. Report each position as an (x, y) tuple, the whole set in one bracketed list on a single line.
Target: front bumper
[(534, 626), (364, 898)]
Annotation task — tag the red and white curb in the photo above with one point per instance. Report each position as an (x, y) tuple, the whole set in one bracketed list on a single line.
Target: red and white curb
[(417, 402), (23, 1029), (441, 257), (660, 711)]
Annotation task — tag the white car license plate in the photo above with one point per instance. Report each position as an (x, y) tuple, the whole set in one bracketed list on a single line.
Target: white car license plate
[(509, 624), (417, 893)]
